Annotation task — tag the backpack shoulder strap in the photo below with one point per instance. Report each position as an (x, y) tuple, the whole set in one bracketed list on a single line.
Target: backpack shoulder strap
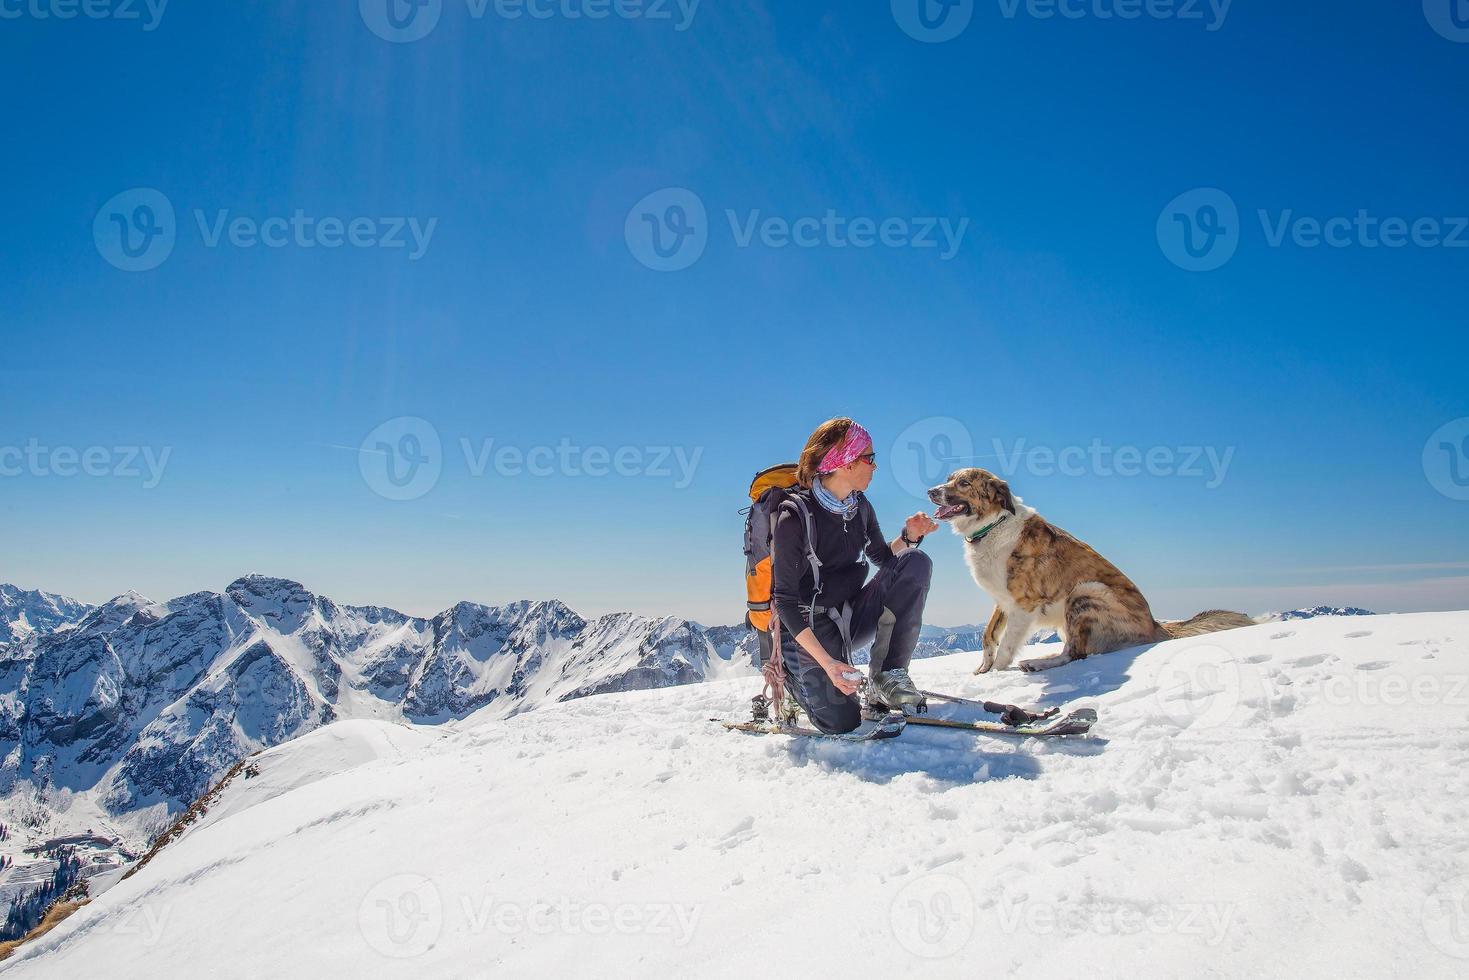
[(805, 512)]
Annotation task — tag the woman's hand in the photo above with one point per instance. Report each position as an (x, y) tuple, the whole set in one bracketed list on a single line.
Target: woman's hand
[(836, 671), (919, 526), (834, 668)]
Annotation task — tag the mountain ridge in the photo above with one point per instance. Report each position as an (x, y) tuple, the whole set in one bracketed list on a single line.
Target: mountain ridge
[(24, 612), (124, 713)]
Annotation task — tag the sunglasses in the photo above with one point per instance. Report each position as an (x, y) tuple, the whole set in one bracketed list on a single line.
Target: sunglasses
[(869, 458)]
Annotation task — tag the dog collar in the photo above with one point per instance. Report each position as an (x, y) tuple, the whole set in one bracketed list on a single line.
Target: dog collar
[(974, 538)]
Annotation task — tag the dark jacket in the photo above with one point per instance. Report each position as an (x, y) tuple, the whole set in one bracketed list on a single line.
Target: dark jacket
[(840, 544)]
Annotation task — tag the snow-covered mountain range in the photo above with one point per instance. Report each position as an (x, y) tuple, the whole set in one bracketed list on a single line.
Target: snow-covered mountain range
[(123, 714), (24, 613), (1281, 800), (1312, 613)]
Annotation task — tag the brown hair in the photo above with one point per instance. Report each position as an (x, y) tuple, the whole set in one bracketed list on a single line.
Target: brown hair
[(828, 436)]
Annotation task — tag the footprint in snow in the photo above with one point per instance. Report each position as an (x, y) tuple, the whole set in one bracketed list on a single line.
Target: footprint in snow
[(737, 835), (1311, 661), (942, 858), (1375, 665), (1282, 636), (1358, 634), (1258, 658)]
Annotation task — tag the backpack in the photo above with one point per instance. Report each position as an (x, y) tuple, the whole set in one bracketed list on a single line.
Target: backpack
[(768, 491), (770, 488)]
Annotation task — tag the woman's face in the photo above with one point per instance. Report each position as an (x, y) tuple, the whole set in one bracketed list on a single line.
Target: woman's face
[(860, 471)]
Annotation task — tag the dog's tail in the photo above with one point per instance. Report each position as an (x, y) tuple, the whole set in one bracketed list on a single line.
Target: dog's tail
[(1210, 621)]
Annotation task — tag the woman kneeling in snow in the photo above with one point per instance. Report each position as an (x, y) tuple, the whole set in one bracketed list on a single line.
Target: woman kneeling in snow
[(827, 612)]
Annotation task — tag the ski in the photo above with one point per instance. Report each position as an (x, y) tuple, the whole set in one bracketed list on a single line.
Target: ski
[(1077, 722), (1010, 714), (889, 726)]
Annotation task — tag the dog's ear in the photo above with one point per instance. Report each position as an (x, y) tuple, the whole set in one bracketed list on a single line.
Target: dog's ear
[(1002, 495)]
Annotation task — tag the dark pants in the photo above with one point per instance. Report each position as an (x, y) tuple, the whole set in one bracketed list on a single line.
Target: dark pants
[(888, 613)]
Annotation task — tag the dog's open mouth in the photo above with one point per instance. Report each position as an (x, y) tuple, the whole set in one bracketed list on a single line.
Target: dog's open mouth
[(950, 511)]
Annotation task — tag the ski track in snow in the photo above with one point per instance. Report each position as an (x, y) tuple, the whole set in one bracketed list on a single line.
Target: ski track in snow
[(1253, 803)]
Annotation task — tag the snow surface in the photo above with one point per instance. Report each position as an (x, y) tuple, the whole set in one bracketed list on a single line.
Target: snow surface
[(1282, 800)]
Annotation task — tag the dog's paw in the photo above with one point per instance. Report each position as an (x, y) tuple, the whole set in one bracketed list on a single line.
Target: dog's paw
[(1033, 666), (986, 664)]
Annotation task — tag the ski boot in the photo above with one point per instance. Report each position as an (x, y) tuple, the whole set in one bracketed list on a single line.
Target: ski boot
[(893, 690)]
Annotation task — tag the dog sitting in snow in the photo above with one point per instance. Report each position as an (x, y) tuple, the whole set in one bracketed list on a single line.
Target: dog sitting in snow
[(1039, 576)]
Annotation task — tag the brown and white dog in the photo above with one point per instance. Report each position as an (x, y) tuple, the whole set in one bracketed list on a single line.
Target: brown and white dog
[(1040, 576)]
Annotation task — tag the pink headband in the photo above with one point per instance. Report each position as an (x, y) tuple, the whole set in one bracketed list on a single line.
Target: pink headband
[(855, 444)]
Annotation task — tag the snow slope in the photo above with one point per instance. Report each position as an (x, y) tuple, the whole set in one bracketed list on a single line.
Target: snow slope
[(1282, 800)]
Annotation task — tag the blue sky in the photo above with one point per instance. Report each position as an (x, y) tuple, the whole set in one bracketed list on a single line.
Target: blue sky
[(527, 152)]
